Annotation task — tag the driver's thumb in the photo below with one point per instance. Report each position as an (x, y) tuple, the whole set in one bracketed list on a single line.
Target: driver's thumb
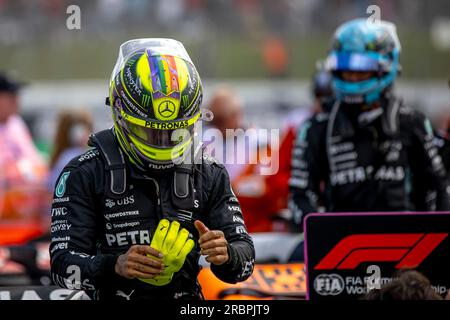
[(201, 228)]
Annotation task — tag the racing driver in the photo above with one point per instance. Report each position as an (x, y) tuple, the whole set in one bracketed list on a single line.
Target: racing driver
[(371, 151), (132, 215)]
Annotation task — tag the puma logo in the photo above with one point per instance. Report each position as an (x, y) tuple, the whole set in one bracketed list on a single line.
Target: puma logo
[(120, 293)]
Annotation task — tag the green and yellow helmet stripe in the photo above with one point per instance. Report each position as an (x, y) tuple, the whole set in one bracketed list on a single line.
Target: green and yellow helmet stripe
[(194, 99), (131, 154), (127, 92)]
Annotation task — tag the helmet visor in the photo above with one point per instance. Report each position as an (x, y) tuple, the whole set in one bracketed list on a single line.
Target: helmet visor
[(344, 61), (159, 138), (156, 46)]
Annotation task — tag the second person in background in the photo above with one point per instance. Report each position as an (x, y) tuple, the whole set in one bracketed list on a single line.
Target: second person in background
[(71, 137), (371, 151)]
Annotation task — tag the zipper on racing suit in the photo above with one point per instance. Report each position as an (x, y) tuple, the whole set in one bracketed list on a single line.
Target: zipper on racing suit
[(159, 212)]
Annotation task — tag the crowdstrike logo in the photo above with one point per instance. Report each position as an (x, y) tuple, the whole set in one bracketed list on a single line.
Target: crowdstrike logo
[(408, 249), (121, 214)]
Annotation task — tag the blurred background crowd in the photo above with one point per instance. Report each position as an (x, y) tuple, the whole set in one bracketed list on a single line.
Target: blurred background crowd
[(246, 43), (256, 59)]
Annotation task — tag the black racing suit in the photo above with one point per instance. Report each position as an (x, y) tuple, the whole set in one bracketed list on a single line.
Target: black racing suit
[(384, 161), (443, 143), (91, 227)]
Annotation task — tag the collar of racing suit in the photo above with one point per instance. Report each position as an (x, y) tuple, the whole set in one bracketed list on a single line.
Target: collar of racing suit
[(346, 124)]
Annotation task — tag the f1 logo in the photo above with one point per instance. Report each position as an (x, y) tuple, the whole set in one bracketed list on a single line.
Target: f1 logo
[(408, 248)]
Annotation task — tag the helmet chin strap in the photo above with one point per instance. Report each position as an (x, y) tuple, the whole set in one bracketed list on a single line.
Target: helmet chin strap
[(365, 113)]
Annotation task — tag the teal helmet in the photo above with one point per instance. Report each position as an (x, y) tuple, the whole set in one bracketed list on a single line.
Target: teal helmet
[(363, 46)]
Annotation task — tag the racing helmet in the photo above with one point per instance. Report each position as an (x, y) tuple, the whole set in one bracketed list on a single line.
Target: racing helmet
[(363, 46), (155, 96), (322, 88)]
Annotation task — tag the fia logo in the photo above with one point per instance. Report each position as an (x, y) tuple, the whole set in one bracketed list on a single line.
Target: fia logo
[(329, 284)]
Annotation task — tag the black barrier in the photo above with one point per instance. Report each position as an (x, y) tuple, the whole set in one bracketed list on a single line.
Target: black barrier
[(34, 293), (349, 254)]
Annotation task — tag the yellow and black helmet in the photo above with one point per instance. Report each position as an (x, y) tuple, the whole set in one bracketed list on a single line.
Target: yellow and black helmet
[(155, 96)]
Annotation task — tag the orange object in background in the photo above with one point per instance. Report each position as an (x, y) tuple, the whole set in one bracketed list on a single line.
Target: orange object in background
[(275, 56), (261, 197), (23, 215), (268, 281), (18, 233)]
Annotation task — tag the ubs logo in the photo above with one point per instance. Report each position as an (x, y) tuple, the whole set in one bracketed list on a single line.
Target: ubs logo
[(120, 202)]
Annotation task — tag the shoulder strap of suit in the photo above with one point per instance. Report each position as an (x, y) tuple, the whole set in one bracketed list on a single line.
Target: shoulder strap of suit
[(183, 180), (390, 119), (113, 158), (183, 187), (181, 176)]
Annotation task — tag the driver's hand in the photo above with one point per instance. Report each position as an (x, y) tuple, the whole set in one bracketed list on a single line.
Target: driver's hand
[(212, 244), (140, 261), (175, 246)]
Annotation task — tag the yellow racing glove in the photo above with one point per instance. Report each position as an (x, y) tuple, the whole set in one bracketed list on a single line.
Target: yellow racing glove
[(175, 245)]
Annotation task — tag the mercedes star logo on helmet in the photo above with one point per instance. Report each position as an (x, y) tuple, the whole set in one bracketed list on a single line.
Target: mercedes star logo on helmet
[(166, 108)]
